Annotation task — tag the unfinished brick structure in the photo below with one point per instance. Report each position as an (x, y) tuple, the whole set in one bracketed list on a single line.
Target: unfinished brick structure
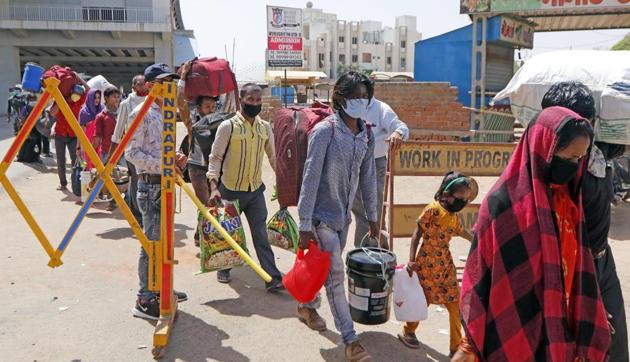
[(425, 106)]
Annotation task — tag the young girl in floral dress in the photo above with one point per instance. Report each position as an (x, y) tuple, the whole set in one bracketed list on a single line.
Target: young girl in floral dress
[(437, 224)]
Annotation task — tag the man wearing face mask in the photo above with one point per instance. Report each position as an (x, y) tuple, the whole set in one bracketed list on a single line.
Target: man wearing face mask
[(63, 134), (235, 170), (339, 162), (598, 194), (388, 129)]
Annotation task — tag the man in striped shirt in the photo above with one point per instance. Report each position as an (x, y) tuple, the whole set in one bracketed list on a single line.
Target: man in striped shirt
[(235, 170)]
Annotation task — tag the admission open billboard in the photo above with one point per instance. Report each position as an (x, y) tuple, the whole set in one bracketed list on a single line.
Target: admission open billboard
[(284, 37)]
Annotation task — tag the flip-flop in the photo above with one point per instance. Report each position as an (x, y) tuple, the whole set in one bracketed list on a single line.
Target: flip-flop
[(411, 342)]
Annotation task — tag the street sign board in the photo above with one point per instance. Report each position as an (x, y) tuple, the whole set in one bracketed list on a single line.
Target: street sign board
[(284, 37), (516, 32), (438, 158)]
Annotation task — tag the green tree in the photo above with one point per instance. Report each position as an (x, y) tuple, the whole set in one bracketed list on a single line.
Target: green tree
[(623, 44)]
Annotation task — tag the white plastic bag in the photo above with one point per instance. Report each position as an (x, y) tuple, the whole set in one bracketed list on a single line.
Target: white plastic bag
[(410, 304), (99, 83), (597, 69)]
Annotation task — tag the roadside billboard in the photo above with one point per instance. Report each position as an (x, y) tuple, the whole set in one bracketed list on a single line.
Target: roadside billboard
[(516, 32), (284, 37), (506, 6)]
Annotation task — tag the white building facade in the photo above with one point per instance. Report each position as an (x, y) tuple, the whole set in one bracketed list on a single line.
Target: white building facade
[(331, 44)]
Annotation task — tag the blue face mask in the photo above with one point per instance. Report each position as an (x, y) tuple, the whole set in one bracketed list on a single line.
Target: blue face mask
[(356, 108)]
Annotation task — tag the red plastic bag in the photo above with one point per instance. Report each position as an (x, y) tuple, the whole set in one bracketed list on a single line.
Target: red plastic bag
[(308, 274)]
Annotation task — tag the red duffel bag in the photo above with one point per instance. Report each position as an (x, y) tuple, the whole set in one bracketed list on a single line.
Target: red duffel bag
[(67, 78), (291, 127), (209, 77), (308, 274)]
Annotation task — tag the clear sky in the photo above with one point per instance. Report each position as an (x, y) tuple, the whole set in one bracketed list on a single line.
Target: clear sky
[(218, 22)]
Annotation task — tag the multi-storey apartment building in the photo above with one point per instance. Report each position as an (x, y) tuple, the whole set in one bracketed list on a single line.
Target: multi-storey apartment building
[(331, 44)]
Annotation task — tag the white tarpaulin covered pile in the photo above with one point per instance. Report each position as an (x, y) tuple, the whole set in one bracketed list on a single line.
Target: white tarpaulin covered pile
[(606, 73)]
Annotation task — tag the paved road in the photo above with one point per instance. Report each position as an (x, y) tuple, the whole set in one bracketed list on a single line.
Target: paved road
[(19, 171)]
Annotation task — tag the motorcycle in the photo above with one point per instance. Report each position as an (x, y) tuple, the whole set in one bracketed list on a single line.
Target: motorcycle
[(621, 178)]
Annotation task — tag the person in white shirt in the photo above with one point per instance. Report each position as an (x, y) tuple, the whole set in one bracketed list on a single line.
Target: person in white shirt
[(387, 128), (135, 99)]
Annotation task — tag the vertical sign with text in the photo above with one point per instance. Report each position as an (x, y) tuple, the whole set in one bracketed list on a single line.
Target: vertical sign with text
[(167, 216), (284, 37)]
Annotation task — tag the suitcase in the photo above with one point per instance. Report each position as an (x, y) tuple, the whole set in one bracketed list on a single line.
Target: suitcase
[(291, 128)]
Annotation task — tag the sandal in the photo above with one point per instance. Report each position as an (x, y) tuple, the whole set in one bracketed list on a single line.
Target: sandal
[(410, 340)]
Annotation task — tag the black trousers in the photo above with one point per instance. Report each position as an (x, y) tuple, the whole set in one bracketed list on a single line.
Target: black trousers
[(61, 144), (610, 289)]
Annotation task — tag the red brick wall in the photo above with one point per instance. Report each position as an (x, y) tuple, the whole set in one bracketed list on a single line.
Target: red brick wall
[(269, 107), (429, 106)]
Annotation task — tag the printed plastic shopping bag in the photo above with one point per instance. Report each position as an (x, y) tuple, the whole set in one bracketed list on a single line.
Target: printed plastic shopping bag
[(410, 303), (216, 253), (282, 231)]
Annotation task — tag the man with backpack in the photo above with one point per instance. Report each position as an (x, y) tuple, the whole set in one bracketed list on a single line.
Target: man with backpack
[(339, 161), (235, 170), (388, 129)]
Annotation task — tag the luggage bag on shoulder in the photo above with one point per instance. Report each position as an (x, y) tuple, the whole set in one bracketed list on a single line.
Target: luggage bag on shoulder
[(291, 128)]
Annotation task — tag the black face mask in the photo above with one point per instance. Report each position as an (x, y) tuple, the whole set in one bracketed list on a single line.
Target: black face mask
[(251, 110), (561, 171), (456, 206)]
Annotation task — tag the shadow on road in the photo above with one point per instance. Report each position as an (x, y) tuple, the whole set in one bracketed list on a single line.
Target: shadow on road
[(126, 232), (193, 340), (116, 234), (382, 347), (251, 290)]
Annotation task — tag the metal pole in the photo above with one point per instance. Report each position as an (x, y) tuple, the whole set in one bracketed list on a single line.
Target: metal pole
[(284, 88)]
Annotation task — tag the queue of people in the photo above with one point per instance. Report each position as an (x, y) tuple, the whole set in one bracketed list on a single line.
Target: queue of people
[(540, 282)]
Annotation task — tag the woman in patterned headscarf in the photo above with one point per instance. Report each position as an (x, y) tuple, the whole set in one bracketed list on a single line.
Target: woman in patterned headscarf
[(529, 289)]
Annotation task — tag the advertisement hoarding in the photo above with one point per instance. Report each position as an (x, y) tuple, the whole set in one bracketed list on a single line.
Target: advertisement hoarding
[(516, 32), (284, 37)]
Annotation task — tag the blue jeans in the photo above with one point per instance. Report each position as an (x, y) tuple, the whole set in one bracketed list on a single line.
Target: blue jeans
[(334, 242), (148, 199)]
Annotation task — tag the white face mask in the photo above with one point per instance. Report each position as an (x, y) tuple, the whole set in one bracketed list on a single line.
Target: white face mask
[(356, 108)]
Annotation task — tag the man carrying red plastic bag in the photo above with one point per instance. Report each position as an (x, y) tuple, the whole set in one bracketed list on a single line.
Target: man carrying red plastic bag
[(340, 159)]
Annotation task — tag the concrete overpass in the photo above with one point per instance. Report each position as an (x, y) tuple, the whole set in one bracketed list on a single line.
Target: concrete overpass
[(115, 38)]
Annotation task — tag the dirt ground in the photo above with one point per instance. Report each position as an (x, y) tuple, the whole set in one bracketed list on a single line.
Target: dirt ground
[(82, 310)]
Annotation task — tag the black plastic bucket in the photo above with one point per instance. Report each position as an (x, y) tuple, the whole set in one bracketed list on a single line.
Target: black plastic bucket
[(370, 279)]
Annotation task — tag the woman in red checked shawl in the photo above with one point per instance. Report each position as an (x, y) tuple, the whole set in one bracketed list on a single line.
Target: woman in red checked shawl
[(529, 289)]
